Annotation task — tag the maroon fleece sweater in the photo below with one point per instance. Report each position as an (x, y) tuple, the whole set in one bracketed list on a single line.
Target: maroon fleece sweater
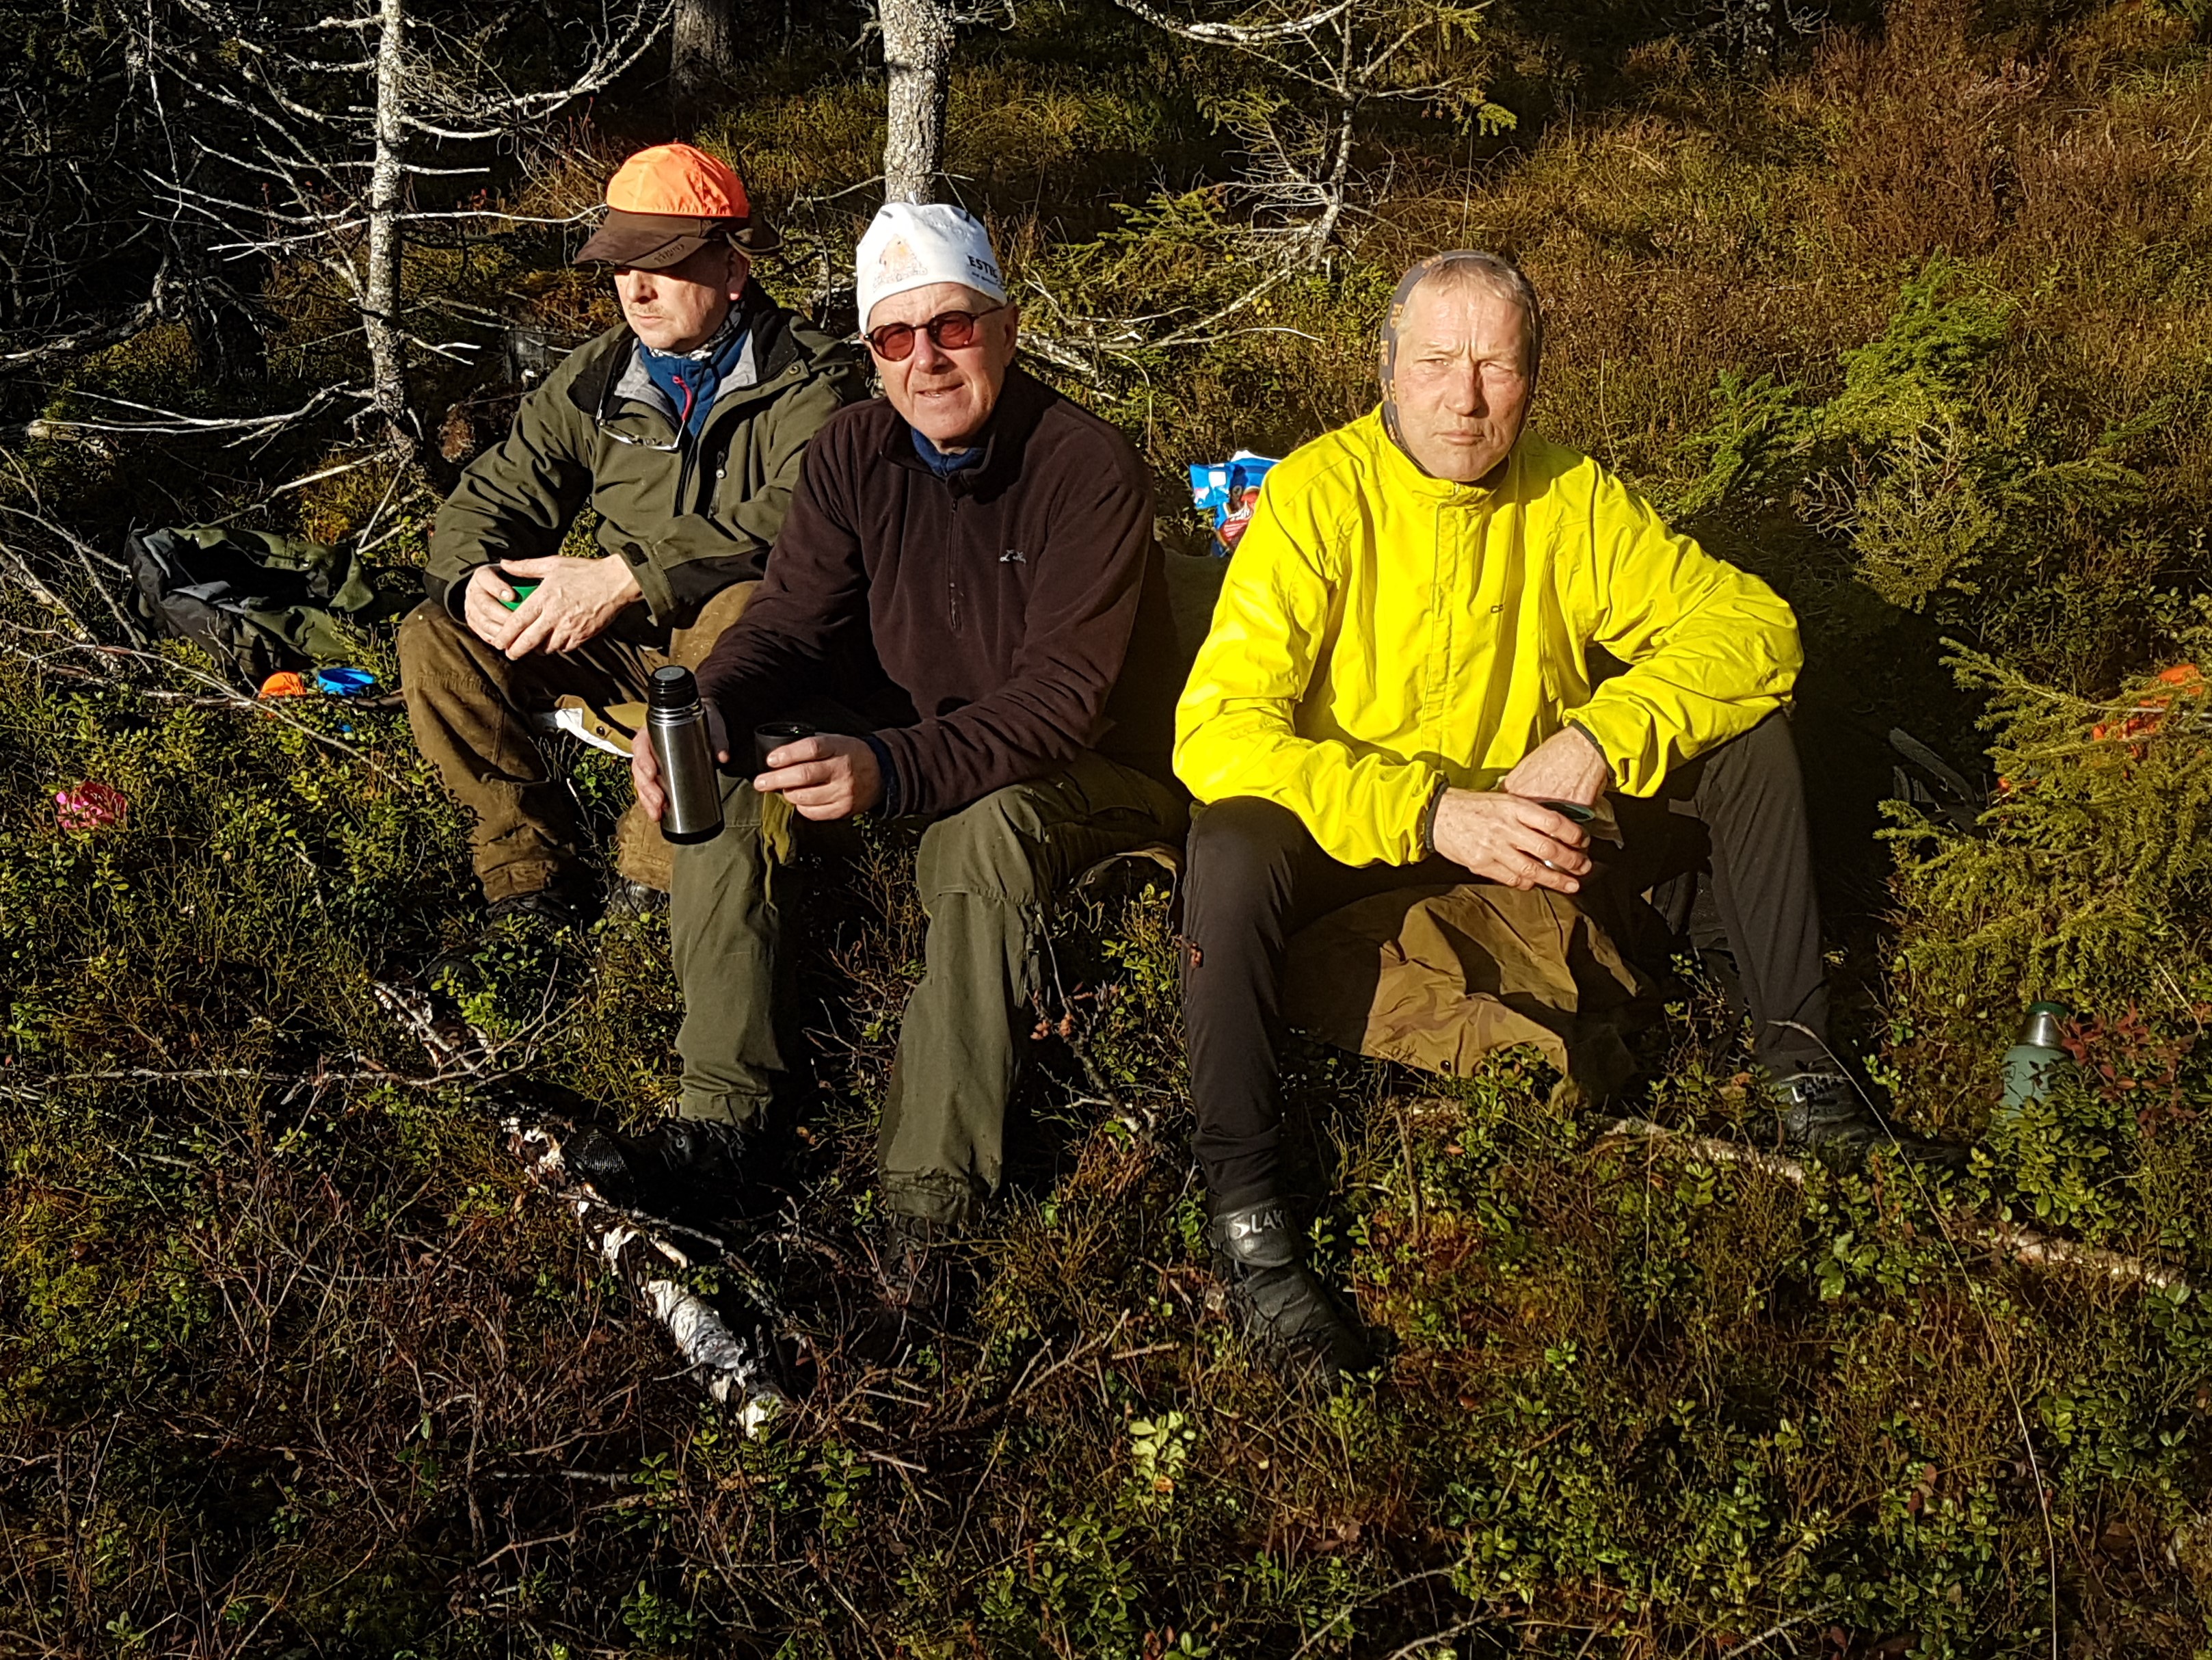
[(1005, 602)]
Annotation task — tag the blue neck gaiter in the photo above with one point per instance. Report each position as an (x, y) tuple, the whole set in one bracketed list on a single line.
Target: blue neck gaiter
[(692, 378), (942, 464)]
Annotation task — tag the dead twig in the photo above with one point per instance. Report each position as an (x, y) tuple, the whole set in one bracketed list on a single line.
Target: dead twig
[(1750, 1644)]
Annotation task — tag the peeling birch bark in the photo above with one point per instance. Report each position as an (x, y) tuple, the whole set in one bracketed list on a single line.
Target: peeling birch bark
[(2025, 1244), (917, 38), (388, 198), (737, 1373), (734, 1372)]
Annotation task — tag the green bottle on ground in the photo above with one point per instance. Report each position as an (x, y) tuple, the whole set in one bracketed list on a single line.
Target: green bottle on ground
[(2035, 1063)]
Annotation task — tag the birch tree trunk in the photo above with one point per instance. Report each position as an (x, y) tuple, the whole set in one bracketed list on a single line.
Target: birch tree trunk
[(388, 198), (702, 55), (918, 60)]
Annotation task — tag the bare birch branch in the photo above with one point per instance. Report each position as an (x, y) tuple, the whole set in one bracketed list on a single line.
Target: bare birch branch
[(639, 1251), (91, 338), (334, 173), (172, 423), (1234, 33), (2025, 1244)]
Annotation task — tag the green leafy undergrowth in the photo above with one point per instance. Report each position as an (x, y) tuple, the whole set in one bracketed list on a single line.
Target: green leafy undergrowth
[(292, 1345), (1950, 487)]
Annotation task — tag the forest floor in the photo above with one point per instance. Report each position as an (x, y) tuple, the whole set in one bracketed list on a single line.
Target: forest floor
[(299, 1361)]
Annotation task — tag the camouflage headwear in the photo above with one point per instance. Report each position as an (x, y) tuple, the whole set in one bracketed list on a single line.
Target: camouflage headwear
[(1386, 357)]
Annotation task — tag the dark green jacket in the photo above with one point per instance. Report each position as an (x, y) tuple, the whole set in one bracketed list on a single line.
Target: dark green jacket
[(689, 521)]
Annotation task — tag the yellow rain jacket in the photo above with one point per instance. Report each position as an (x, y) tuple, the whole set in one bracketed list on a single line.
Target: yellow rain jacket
[(1381, 634)]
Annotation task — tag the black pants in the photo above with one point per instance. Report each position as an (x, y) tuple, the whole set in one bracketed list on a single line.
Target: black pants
[(1735, 817)]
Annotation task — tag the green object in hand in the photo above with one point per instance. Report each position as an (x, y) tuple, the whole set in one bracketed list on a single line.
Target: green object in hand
[(524, 586)]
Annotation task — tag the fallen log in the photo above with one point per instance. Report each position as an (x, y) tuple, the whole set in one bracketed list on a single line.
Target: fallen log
[(641, 1250), (2024, 1244)]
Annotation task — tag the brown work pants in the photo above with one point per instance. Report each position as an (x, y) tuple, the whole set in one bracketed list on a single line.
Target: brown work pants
[(471, 711)]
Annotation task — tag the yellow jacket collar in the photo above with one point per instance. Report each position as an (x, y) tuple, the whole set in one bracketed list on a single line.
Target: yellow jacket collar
[(1401, 474)]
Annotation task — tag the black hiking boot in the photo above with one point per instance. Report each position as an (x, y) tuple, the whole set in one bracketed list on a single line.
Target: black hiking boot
[(628, 898), (1822, 1111), (681, 1168), (1823, 1114), (911, 1262), (1275, 1298), (550, 907), (537, 917)]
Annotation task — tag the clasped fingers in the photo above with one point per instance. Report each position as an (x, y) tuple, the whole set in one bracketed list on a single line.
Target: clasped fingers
[(1512, 840)]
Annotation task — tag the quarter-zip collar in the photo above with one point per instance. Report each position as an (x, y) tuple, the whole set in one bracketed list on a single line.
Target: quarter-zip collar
[(692, 382), (1403, 475), (1002, 441), (945, 463), (637, 385), (741, 382), (773, 359)]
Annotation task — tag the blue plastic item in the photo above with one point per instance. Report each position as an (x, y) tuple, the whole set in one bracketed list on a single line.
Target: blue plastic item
[(1228, 489), (343, 683)]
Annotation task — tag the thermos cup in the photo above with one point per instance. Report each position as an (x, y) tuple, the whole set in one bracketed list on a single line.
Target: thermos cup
[(775, 735), (676, 726)]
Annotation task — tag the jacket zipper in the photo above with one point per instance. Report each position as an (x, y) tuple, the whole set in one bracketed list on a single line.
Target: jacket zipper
[(687, 450), (952, 569), (690, 450)]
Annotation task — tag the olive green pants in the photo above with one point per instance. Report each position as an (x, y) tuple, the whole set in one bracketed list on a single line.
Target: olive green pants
[(986, 877), (471, 711)]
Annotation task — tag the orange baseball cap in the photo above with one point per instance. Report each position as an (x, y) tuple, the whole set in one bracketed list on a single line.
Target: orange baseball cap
[(666, 204)]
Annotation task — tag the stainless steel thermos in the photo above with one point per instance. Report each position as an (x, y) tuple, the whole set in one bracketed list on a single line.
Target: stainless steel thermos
[(676, 726), (2038, 1062)]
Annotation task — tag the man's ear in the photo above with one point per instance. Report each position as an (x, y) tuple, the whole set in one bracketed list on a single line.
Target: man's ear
[(741, 266)]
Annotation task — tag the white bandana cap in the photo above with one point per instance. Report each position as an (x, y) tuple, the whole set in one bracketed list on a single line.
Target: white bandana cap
[(914, 244)]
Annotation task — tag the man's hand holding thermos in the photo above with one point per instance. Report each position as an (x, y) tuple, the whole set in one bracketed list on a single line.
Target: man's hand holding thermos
[(824, 776), (672, 759)]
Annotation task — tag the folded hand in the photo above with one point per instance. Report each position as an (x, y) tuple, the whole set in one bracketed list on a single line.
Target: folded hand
[(1513, 842)]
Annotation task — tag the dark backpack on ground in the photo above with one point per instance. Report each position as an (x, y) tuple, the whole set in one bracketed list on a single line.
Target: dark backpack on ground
[(258, 602)]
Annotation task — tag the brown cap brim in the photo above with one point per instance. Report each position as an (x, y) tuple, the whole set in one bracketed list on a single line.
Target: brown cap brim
[(655, 241)]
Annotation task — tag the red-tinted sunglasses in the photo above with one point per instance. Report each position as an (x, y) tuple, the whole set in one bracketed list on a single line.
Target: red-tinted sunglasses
[(949, 331)]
